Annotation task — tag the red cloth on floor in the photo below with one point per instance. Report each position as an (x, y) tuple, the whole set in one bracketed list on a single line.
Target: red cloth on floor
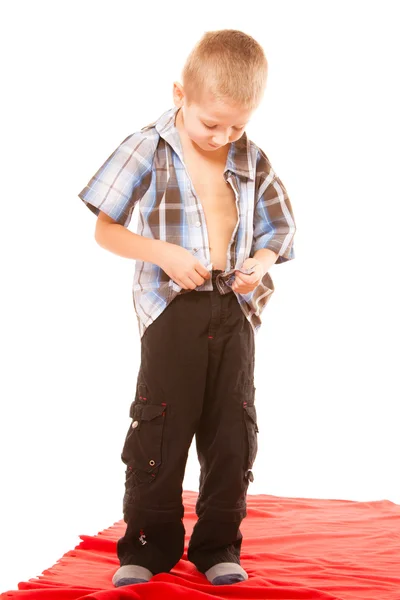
[(292, 548)]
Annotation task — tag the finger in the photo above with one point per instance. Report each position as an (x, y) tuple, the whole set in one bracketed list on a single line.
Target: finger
[(243, 289), (245, 276), (239, 278), (197, 278), (247, 281), (203, 271), (189, 284)]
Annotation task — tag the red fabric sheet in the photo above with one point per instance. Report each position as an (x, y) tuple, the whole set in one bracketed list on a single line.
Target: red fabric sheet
[(292, 548)]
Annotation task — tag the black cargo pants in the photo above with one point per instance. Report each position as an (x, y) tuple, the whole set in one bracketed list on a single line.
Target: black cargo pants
[(196, 377)]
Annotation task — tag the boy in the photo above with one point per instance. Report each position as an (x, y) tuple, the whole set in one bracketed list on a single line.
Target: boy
[(213, 218)]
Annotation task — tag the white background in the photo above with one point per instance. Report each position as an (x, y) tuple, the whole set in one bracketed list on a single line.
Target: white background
[(77, 79)]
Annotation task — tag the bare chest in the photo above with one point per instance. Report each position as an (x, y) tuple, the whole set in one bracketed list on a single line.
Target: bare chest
[(218, 201)]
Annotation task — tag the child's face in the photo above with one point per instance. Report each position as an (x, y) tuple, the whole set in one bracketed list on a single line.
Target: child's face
[(212, 124)]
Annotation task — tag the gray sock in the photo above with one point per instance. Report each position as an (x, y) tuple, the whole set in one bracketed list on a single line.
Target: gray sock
[(128, 574), (226, 573)]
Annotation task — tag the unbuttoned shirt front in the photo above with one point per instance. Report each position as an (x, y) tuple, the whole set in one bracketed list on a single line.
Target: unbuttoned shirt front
[(148, 169)]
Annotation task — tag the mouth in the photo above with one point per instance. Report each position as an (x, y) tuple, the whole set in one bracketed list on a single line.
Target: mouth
[(212, 146)]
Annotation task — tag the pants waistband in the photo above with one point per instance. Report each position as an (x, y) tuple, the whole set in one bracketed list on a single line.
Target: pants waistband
[(215, 272)]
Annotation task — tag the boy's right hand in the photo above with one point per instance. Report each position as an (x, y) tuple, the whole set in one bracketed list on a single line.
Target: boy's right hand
[(181, 266)]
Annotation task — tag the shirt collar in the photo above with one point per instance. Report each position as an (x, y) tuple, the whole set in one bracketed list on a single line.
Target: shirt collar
[(239, 156)]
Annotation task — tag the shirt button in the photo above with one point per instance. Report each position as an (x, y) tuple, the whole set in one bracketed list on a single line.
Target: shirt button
[(135, 424), (198, 224)]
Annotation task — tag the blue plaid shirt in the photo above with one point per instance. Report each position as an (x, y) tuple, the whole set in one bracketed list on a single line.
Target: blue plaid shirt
[(148, 169)]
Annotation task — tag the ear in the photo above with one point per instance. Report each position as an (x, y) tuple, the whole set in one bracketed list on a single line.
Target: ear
[(178, 94)]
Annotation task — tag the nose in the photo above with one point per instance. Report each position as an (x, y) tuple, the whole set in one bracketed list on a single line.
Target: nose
[(221, 140)]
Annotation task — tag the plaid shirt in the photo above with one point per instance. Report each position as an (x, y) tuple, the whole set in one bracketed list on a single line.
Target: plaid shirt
[(148, 169)]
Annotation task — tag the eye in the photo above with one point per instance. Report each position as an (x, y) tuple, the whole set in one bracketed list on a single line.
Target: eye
[(214, 126)]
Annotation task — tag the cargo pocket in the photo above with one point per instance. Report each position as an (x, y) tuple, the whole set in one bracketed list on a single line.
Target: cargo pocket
[(142, 452)]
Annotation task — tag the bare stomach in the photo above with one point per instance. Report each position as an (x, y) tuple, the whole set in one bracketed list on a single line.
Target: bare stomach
[(218, 261), (219, 243)]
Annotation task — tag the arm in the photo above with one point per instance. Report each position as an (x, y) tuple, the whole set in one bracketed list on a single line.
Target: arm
[(274, 223), (177, 262), (266, 257), (118, 239)]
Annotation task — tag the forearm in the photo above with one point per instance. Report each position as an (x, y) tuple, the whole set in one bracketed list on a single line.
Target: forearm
[(119, 240), (266, 257)]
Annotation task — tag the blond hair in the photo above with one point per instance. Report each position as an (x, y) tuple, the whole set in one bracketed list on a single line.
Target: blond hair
[(228, 64)]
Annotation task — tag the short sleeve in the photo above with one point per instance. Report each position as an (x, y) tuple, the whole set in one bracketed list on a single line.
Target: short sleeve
[(274, 223), (122, 180)]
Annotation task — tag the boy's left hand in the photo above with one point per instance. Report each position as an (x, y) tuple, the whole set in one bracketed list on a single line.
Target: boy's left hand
[(244, 284)]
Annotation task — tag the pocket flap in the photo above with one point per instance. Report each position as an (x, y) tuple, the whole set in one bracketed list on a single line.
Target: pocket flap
[(145, 412), (151, 411)]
